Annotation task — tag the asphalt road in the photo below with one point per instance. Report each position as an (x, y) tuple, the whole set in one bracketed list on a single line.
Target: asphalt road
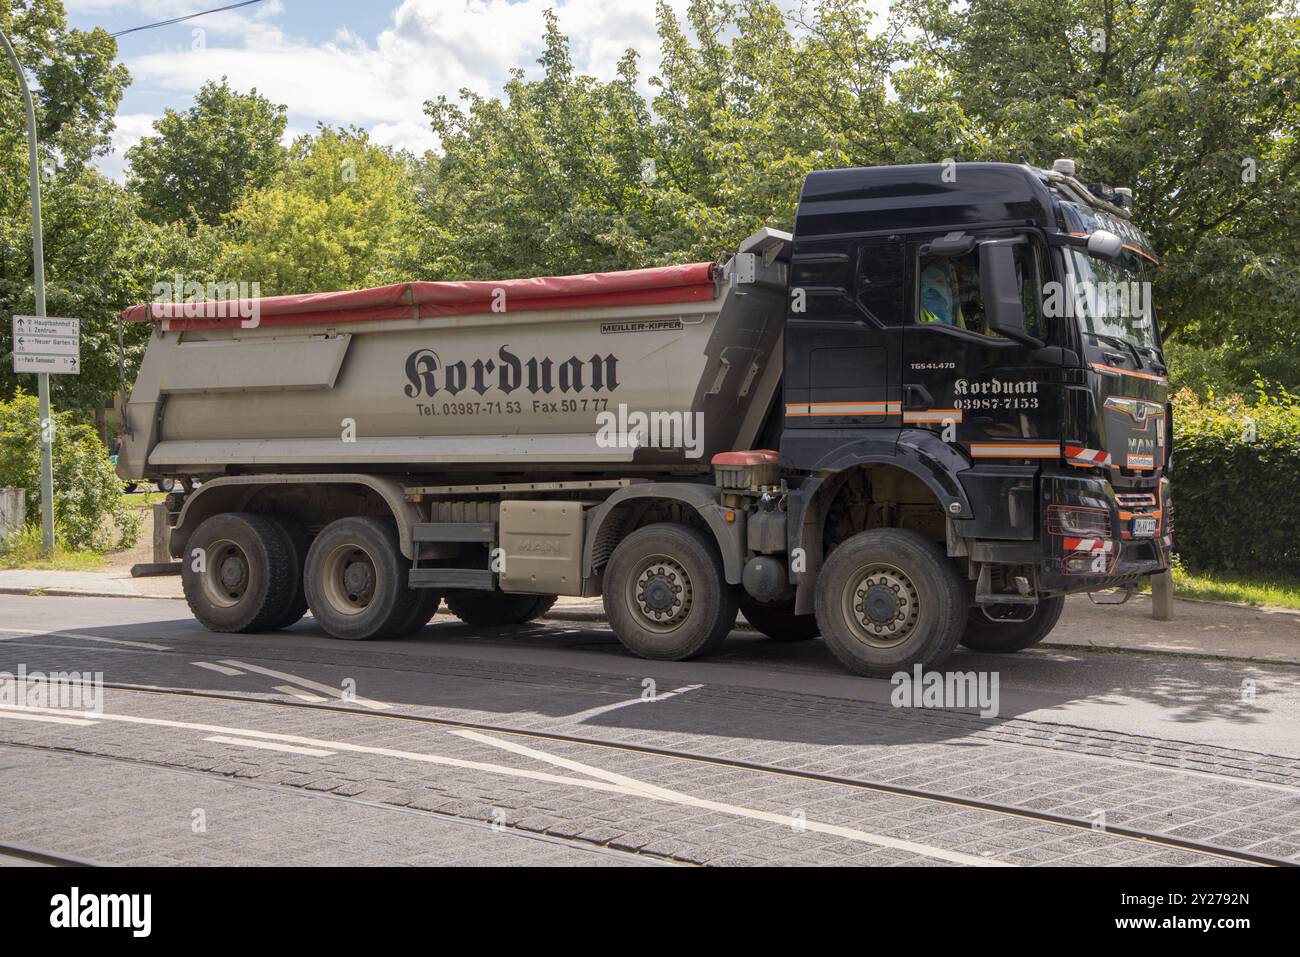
[(545, 745)]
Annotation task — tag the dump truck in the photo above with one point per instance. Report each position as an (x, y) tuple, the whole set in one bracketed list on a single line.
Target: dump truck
[(922, 419)]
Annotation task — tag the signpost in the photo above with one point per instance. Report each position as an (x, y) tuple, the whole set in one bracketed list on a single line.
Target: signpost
[(38, 275), (49, 346)]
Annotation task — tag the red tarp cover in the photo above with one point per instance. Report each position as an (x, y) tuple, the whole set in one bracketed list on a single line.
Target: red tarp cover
[(666, 284)]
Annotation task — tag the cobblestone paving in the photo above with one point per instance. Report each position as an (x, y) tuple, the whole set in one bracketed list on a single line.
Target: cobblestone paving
[(1230, 797), (113, 813)]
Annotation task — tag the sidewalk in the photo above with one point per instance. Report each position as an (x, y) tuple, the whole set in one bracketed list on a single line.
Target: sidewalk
[(1198, 628)]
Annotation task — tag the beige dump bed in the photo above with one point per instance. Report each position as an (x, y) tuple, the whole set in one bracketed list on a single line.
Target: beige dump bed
[(564, 374)]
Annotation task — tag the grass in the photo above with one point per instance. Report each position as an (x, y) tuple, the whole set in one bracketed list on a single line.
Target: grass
[(23, 550), (1243, 589)]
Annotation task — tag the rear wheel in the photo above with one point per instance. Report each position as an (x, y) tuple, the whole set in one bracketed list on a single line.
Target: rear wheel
[(777, 620), (491, 610), (357, 580), (425, 607), (299, 543), (666, 595), (888, 599), (989, 634), (233, 573)]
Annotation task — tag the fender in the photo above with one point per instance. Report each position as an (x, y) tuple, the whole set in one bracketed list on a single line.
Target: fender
[(705, 499), (218, 495), (918, 452)]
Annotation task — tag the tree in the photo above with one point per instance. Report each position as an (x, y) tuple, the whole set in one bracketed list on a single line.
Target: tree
[(1191, 103), (94, 245), (203, 159), (340, 215)]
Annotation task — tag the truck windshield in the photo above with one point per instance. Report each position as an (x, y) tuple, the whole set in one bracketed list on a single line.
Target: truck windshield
[(1113, 299)]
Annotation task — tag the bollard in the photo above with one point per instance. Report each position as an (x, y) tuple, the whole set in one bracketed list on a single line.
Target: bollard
[(13, 511), (1162, 596), (162, 535)]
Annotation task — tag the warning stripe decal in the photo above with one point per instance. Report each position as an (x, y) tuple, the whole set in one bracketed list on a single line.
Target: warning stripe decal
[(1084, 457), (1088, 545), (842, 408), (933, 415), (1015, 450)]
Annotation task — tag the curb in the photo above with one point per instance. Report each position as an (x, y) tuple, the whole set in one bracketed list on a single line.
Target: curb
[(37, 590)]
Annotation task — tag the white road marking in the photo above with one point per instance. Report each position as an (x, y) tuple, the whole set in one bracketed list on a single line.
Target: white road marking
[(29, 633), (300, 694), (349, 748), (219, 669), (308, 683), (269, 745), (48, 718), (676, 797), (606, 708)]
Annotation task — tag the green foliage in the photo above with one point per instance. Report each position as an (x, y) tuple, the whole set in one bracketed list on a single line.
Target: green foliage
[(1234, 472), (1189, 102), (89, 512), (203, 159), (340, 215), (75, 82)]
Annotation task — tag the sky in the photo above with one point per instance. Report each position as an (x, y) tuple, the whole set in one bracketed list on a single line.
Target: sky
[(368, 63)]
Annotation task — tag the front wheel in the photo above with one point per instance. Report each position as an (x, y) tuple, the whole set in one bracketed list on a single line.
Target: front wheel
[(666, 595), (888, 599), (1004, 637), (777, 620)]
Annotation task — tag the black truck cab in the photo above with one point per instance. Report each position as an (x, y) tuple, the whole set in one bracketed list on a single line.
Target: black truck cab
[(985, 330)]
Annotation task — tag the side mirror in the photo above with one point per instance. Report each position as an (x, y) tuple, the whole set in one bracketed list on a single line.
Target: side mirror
[(1105, 245), (952, 245), (1004, 310)]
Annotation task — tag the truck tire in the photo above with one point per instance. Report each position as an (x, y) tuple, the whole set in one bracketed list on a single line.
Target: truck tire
[(300, 543), (491, 610), (233, 573), (666, 595), (1005, 637), (777, 620), (888, 599), (426, 606), (357, 580)]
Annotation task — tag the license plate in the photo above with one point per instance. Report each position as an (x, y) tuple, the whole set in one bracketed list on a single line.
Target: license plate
[(1144, 527)]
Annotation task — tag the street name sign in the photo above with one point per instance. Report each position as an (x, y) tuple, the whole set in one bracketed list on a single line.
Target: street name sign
[(47, 345)]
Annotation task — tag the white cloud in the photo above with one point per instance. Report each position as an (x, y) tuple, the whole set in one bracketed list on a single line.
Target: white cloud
[(128, 130), (431, 48)]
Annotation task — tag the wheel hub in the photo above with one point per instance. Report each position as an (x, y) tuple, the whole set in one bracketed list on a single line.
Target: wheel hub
[(662, 593), (883, 606), (358, 578), (233, 571)]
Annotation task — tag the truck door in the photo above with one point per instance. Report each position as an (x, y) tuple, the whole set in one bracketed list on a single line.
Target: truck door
[(998, 400), (843, 342)]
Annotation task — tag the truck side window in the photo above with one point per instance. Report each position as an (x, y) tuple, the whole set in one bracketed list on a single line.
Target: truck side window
[(948, 291), (879, 279)]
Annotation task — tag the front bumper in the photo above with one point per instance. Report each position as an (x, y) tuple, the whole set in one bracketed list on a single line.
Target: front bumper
[(1094, 538)]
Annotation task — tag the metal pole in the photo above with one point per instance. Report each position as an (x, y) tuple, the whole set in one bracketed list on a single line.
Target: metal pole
[(38, 268)]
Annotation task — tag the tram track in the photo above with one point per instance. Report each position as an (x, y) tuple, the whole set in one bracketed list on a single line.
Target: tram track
[(1149, 838)]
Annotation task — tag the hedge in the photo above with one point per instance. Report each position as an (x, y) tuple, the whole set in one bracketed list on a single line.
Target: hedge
[(1235, 473)]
